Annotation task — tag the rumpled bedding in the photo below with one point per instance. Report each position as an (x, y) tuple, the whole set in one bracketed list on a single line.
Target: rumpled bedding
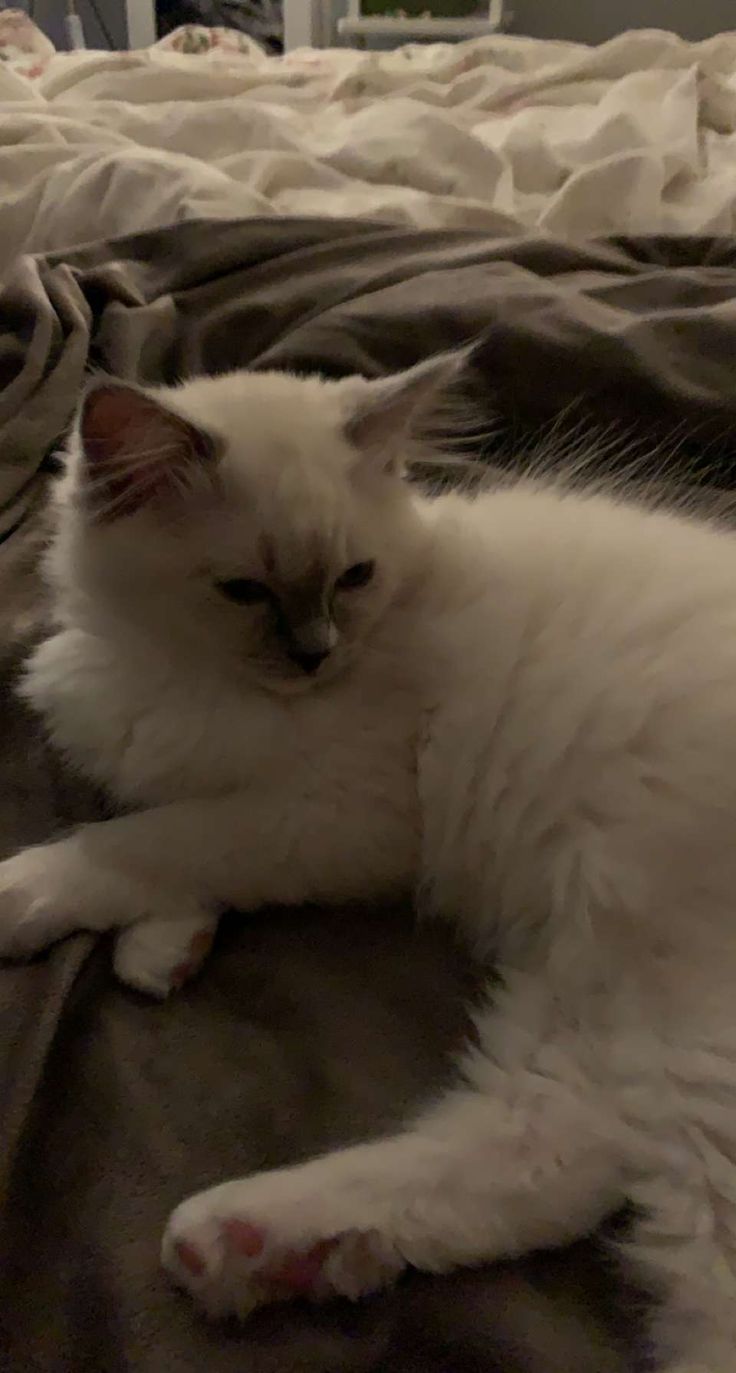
[(499, 134)]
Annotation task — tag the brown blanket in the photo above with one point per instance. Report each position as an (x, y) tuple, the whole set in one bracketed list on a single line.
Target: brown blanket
[(307, 1029)]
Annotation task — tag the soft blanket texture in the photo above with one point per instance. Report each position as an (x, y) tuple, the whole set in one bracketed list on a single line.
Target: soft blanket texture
[(113, 1108), (649, 322), (497, 134)]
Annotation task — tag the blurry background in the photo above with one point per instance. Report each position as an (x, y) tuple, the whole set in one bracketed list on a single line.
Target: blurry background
[(109, 22)]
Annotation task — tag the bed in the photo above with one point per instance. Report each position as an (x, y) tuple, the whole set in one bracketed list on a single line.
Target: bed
[(197, 207), (501, 133)]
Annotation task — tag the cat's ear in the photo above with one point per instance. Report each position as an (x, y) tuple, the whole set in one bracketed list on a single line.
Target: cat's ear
[(385, 413), (135, 451)]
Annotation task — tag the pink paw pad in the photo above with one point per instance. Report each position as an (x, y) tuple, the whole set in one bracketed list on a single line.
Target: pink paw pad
[(298, 1272), (190, 1258), (292, 1271), (201, 943), (199, 946), (245, 1238)]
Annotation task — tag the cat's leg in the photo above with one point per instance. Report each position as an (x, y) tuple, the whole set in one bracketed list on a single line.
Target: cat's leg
[(157, 956), (476, 1178), (169, 870), (684, 1248), (49, 891)]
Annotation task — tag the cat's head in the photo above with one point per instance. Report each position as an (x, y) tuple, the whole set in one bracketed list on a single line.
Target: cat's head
[(260, 520)]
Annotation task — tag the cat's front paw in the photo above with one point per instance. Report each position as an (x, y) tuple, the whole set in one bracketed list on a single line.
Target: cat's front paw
[(37, 899), (245, 1244), (158, 956)]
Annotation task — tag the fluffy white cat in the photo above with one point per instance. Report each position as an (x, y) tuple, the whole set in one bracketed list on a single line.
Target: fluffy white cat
[(309, 681)]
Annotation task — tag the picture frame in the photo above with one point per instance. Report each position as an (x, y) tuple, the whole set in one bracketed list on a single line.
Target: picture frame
[(317, 24), (423, 19)]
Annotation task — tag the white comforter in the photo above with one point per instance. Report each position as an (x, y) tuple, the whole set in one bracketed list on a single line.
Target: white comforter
[(638, 135)]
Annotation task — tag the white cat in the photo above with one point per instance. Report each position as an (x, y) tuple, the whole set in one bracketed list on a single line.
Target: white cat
[(311, 682)]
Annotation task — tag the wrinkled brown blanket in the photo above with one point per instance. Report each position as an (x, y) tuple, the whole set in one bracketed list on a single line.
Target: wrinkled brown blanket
[(307, 1029)]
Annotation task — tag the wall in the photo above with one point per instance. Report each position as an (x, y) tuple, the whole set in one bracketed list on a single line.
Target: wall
[(49, 15), (585, 21), (592, 21)]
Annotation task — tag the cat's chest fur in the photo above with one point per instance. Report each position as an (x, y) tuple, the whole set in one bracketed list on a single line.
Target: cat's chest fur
[(152, 735)]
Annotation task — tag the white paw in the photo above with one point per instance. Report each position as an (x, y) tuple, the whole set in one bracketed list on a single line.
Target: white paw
[(159, 956), (36, 900), (50, 891), (244, 1244)]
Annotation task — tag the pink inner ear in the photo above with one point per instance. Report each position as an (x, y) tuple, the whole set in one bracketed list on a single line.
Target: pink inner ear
[(386, 410), (136, 451)]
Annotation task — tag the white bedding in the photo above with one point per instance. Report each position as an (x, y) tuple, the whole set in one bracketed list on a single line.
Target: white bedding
[(636, 136)]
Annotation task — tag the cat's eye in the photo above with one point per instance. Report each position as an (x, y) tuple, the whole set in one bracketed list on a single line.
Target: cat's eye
[(356, 576), (244, 591)]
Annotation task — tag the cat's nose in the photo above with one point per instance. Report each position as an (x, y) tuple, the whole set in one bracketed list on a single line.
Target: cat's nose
[(308, 659), (308, 643)]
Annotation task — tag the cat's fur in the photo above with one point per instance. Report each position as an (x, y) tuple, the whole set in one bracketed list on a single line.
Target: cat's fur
[(527, 718)]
